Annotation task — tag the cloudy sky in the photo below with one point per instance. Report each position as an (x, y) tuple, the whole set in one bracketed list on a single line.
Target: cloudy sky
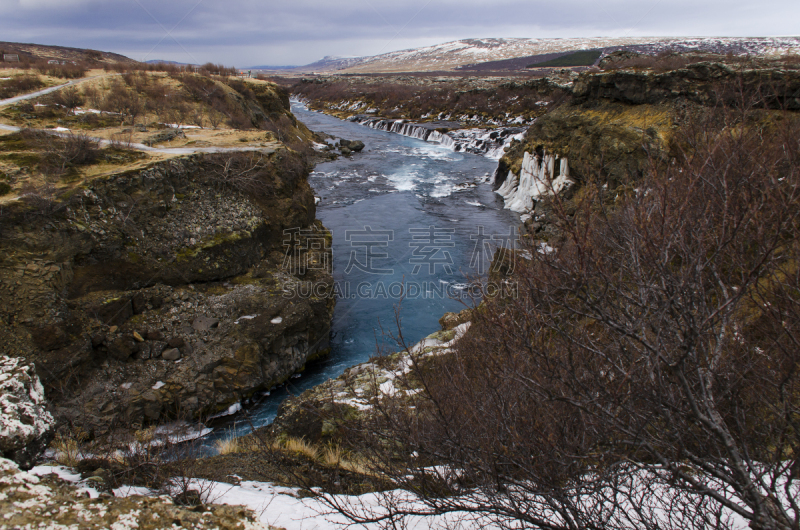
[(249, 32)]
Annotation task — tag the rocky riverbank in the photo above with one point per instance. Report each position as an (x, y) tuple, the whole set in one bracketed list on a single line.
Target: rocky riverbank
[(159, 294)]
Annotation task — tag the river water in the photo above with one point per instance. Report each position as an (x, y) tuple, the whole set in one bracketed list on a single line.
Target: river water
[(408, 218)]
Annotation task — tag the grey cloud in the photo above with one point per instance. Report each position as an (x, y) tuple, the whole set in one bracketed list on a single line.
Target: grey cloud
[(243, 32)]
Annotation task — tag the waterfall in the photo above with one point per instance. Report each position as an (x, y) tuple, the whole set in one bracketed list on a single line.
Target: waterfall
[(490, 143)]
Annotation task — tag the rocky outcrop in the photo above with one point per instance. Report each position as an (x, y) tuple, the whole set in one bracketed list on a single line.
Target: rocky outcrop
[(26, 427), (703, 83), (28, 501), (618, 122), (540, 176), (160, 293)]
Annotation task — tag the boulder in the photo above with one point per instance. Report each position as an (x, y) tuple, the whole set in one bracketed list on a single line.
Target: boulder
[(205, 323), (122, 348), (164, 136), (172, 354), (26, 427)]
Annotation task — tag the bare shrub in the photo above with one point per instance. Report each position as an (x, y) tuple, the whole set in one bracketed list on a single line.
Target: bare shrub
[(124, 102), (69, 70), (69, 98), (646, 375), (19, 85), (215, 117), (122, 140), (239, 120), (91, 95), (64, 151), (282, 128)]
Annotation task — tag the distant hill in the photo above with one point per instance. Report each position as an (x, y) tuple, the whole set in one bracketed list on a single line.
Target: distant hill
[(162, 61), (270, 67), (63, 53), (330, 63), (502, 54)]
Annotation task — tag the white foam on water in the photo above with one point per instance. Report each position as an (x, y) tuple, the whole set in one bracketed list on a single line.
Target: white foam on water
[(443, 190), (404, 181)]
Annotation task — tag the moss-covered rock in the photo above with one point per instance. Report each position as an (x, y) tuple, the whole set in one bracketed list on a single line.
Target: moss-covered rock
[(102, 289)]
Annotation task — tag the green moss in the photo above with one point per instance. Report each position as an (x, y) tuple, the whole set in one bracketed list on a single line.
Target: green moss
[(4, 188), (247, 280), (14, 142), (137, 319), (216, 290), (443, 336), (71, 175), (187, 254)]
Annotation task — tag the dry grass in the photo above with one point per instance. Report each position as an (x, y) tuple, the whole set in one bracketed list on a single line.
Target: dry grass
[(332, 455), (358, 465), (233, 444), (67, 449), (302, 447), (228, 446)]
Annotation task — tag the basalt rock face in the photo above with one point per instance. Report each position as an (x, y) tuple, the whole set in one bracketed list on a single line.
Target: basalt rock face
[(617, 123), (162, 292), (703, 83)]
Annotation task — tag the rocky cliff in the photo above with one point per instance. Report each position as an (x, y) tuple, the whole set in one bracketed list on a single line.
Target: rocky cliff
[(159, 293), (616, 124)]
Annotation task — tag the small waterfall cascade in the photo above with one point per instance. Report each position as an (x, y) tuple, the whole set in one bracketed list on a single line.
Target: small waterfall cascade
[(487, 142)]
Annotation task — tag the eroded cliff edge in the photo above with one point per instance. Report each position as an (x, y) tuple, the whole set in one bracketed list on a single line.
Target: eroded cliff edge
[(614, 126), (161, 293)]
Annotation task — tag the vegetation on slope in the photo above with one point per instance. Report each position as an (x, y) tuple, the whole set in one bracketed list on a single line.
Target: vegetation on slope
[(175, 108), (580, 58), (423, 100)]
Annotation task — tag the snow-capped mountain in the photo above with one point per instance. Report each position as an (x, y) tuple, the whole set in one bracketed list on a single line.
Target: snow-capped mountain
[(330, 63), (451, 55)]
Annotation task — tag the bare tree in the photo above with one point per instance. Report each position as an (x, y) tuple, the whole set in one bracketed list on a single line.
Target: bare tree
[(64, 151), (647, 375), (124, 102), (215, 117), (69, 98)]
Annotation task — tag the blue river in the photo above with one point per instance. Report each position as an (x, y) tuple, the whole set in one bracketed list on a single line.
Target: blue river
[(410, 220)]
